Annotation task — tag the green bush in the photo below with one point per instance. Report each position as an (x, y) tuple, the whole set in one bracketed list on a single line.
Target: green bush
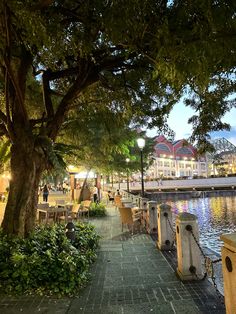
[(97, 210), (46, 262)]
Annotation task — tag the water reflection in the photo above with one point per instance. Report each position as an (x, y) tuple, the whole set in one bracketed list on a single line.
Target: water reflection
[(216, 216)]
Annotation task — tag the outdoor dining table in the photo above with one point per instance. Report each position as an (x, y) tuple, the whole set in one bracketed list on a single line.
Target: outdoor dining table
[(54, 211)]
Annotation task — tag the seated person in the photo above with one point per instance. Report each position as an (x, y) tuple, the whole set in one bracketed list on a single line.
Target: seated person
[(117, 192), (110, 196)]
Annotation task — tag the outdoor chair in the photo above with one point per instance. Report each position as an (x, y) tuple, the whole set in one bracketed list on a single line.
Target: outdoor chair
[(43, 205), (118, 202), (84, 209), (129, 218), (72, 213), (41, 211), (60, 202)]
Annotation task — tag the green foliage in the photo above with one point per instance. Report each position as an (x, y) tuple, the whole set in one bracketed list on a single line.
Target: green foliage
[(5, 146), (46, 262), (141, 55), (97, 210)]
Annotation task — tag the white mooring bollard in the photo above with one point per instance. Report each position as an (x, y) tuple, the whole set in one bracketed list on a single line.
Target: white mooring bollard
[(125, 194), (228, 252), (188, 252), (152, 217), (165, 234), (143, 205)]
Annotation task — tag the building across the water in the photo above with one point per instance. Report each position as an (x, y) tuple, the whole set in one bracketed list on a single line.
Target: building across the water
[(176, 159), (180, 159), (223, 160)]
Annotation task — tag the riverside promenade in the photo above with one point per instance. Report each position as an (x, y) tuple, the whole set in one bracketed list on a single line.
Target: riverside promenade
[(185, 184), (130, 276)]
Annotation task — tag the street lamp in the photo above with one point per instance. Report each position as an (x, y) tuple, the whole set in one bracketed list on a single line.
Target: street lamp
[(127, 161), (141, 144)]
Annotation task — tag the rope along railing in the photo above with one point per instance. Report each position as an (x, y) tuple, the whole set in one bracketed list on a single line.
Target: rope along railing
[(208, 263), (172, 229)]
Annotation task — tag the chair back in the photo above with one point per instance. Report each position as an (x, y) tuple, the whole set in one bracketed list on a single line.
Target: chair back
[(117, 200), (43, 205), (126, 215), (75, 208), (60, 202), (127, 204)]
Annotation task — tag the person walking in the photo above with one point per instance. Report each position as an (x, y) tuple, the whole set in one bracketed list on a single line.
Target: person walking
[(95, 194), (64, 188), (45, 193)]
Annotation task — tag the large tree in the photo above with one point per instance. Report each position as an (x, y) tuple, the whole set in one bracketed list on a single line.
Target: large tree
[(143, 52)]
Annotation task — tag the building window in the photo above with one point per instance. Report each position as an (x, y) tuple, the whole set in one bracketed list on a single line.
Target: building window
[(163, 147), (184, 151)]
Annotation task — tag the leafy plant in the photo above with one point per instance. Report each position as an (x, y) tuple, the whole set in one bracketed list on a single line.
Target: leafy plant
[(97, 210), (47, 262)]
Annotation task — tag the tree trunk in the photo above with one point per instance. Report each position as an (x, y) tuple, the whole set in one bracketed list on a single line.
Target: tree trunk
[(83, 187), (21, 208)]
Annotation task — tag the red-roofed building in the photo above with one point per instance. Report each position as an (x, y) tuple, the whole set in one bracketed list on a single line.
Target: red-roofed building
[(177, 159)]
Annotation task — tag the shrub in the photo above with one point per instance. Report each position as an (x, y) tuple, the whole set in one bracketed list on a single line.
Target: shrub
[(46, 262), (97, 210)]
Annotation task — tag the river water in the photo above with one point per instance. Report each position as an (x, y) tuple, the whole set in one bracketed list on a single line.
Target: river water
[(216, 216)]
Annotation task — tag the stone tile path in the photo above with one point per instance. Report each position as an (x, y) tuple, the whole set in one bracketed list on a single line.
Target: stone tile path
[(129, 276)]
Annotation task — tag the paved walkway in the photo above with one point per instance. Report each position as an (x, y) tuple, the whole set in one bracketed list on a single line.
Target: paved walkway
[(129, 276)]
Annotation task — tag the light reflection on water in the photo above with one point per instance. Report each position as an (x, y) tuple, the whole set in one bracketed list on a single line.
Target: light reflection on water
[(216, 216)]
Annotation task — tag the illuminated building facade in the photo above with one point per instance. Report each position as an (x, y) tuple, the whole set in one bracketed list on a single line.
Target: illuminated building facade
[(223, 160), (177, 159)]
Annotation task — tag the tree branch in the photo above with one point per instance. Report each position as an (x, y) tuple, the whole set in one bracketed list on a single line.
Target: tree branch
[(62, 73), (87, 75), (3, 131), (3, 117), (46, 94), (42, 4), (33, 122)]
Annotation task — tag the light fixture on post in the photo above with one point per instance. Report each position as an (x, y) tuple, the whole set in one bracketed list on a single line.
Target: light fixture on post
[(141, 144), (127, 162)]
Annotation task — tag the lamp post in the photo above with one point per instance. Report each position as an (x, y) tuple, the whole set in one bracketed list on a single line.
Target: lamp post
[(141, 144), (127, 161)]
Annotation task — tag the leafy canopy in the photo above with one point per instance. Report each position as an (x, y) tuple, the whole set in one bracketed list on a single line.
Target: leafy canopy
[(136, 55)]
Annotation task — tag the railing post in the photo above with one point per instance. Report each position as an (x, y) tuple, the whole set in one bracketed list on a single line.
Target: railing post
[(125, 195), (143, 205), (165, 230), (228, 252), (152, 217), (136, 200), (188, 252)]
